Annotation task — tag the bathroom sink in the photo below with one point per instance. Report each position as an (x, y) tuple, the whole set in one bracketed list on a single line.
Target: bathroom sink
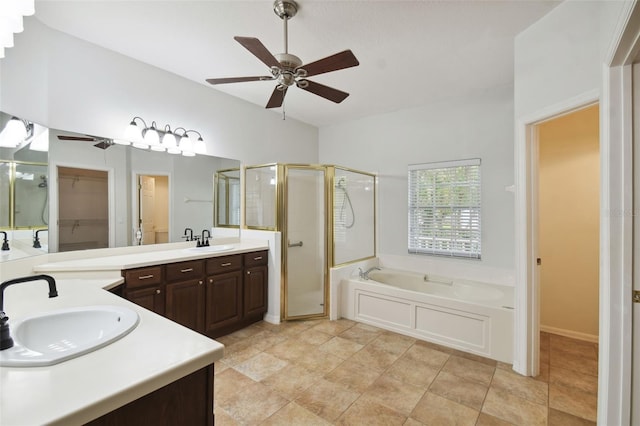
[(210, 249), (58, 336)]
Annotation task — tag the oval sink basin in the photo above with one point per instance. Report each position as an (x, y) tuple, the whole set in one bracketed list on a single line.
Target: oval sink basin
[(57, 336), (209, 249)]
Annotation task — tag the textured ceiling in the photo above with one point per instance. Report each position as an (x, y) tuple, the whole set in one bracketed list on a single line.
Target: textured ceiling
[(410, 52)]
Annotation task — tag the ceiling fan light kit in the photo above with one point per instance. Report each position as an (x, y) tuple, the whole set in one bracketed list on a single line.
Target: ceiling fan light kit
[(288, 69)]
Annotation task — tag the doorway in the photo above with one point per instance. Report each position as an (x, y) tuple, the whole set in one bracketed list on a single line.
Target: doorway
[(305, 234), (83, 209), (152, 212)]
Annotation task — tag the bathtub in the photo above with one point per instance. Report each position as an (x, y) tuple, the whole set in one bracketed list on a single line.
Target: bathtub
[(467, 315)]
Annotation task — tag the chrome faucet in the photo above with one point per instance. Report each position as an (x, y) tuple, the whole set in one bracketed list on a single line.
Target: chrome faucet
[(365, 274), (189, 237), (36, 240), (5, 242), (6, 341), (205, 240)]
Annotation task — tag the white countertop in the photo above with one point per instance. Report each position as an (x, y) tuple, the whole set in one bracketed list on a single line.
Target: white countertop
[(157, 352), (129, 261)]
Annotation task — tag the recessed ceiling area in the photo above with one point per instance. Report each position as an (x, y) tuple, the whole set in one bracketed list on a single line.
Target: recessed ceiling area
[(411, 52)]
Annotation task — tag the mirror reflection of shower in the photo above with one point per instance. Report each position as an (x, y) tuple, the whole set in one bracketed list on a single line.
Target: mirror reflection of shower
[(45, 206), (341, 187)]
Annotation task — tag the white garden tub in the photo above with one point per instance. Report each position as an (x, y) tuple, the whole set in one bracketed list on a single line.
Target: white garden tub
[(471, 316)]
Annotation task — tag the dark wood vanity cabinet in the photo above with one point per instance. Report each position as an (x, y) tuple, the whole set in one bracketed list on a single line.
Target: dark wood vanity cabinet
[(214, 296)]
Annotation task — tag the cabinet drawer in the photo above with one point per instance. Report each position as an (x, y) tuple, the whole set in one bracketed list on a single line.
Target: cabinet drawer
[(217, 265), (143, 276), (185, 270), (255, 259)]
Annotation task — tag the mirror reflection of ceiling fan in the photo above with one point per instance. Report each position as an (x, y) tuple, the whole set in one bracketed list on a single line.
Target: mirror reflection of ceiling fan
[(102, 143), (287, 69)]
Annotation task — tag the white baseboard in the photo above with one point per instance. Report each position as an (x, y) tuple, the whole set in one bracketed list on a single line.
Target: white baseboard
[(570, 333)]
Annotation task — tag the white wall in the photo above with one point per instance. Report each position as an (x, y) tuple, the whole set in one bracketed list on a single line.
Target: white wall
[(66, 83), (478, 126)]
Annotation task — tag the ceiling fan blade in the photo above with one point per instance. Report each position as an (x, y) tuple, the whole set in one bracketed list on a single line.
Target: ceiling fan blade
[(256, 47), (238, 79), (345, 59), (326, 92), (277, 97), (76, 138)]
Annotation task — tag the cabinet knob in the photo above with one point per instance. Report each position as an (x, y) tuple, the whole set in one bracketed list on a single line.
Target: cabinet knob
[(158, 291), (248, 272), (200, 282), (211, 280)]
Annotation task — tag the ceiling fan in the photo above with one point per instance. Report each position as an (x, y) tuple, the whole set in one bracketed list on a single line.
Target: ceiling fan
[(287, 69), (102, 143)]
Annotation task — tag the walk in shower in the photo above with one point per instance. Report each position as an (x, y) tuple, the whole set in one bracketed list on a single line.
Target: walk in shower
[(326, 215)]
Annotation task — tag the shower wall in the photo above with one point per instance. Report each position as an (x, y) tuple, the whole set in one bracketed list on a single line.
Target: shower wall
[(260, 197), (353, 216)]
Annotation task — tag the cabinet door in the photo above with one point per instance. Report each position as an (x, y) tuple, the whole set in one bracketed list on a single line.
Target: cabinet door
[(255, 291), (151, 298), (185, 303), (224, 301)]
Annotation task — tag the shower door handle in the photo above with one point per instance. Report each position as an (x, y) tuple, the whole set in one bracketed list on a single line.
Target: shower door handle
[(298, 244)]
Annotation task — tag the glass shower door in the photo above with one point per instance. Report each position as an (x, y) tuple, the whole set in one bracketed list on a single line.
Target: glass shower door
[(305, 242)]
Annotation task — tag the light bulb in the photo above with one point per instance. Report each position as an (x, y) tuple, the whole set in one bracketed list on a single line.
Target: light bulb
[(133, 133), (169, 141), (200, 147)]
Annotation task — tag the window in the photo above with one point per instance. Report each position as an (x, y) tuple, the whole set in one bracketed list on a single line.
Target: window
[(444, 208)]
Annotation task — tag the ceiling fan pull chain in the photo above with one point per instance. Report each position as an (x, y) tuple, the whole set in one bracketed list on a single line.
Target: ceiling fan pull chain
[(284, 114)]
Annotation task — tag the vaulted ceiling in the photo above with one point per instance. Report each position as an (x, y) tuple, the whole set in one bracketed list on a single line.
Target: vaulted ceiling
[(410, 52)]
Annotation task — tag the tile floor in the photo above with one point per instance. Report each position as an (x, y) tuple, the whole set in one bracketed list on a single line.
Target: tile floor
[(346, 373)]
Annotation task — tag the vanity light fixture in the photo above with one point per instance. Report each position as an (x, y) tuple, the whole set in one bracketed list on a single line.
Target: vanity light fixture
[(15, 132), (11, 13), (177, 141)]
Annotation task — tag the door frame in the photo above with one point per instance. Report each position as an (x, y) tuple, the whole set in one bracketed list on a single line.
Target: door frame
[(135, 219), (616, 227)]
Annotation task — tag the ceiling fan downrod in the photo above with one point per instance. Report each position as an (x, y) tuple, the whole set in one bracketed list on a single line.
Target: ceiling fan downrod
[(285, 9)]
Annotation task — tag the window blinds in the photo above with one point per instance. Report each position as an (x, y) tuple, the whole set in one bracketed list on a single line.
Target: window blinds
[(444, 208)]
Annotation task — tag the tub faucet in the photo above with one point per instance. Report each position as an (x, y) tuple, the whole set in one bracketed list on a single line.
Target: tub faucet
[(188, 236), (205, 240), (365, 274), (36, 240), (5, 242), (6, 341)]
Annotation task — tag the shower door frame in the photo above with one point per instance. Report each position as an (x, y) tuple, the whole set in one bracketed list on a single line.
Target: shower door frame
[(282, 219)]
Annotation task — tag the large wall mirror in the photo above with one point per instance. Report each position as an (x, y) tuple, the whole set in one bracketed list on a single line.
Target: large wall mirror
[(83, 194)]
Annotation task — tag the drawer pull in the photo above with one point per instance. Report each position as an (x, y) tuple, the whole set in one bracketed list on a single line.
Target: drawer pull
[(158, 291), (257, 258), (186, 270), (226, 264), (145, 277), (200, 282)]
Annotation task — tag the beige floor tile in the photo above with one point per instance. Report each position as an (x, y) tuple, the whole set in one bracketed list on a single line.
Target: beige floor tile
[(327, 399), (415, 373), (435, 346), (361, 333), (544, 356), (504, 366), (478, 358), (293, 414), (291, 349), (342, 348), (487, 420), (560, 418), (543, 374), (319, 361), (265, 339), (544, 340), (436, 410), (574, 362), (368, 412), (222, 418), (426, 355), (412, 422), (220, 366), (573, 401), (253, 404), (334, 327), (354, 376), (469, 369), (377, 359), (393, 393), (573, 379), (228, 383), (234, 357), (292, 380), (459, 390), (506, 406), (314, 337), (393, 343), (522, 386), (261, 366), (573, 346)]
